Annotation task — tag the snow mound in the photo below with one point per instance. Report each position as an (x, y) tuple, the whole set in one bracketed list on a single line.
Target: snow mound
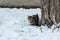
[(15, 26)]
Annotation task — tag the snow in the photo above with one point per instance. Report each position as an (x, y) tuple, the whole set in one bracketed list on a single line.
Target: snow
[(15, 26)]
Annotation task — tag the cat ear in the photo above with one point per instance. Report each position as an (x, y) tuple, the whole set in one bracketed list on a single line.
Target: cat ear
[(36, 14)]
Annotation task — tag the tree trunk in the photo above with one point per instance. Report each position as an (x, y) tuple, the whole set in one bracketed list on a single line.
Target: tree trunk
[(50, 12)]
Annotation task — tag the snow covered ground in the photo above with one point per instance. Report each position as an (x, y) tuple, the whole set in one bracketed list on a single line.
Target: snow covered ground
[(15, 26)]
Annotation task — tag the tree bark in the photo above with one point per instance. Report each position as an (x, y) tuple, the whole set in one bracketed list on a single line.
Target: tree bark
[(50, 10)]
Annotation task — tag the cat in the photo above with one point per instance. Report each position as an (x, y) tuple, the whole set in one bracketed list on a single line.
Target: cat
[(34, 19)]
